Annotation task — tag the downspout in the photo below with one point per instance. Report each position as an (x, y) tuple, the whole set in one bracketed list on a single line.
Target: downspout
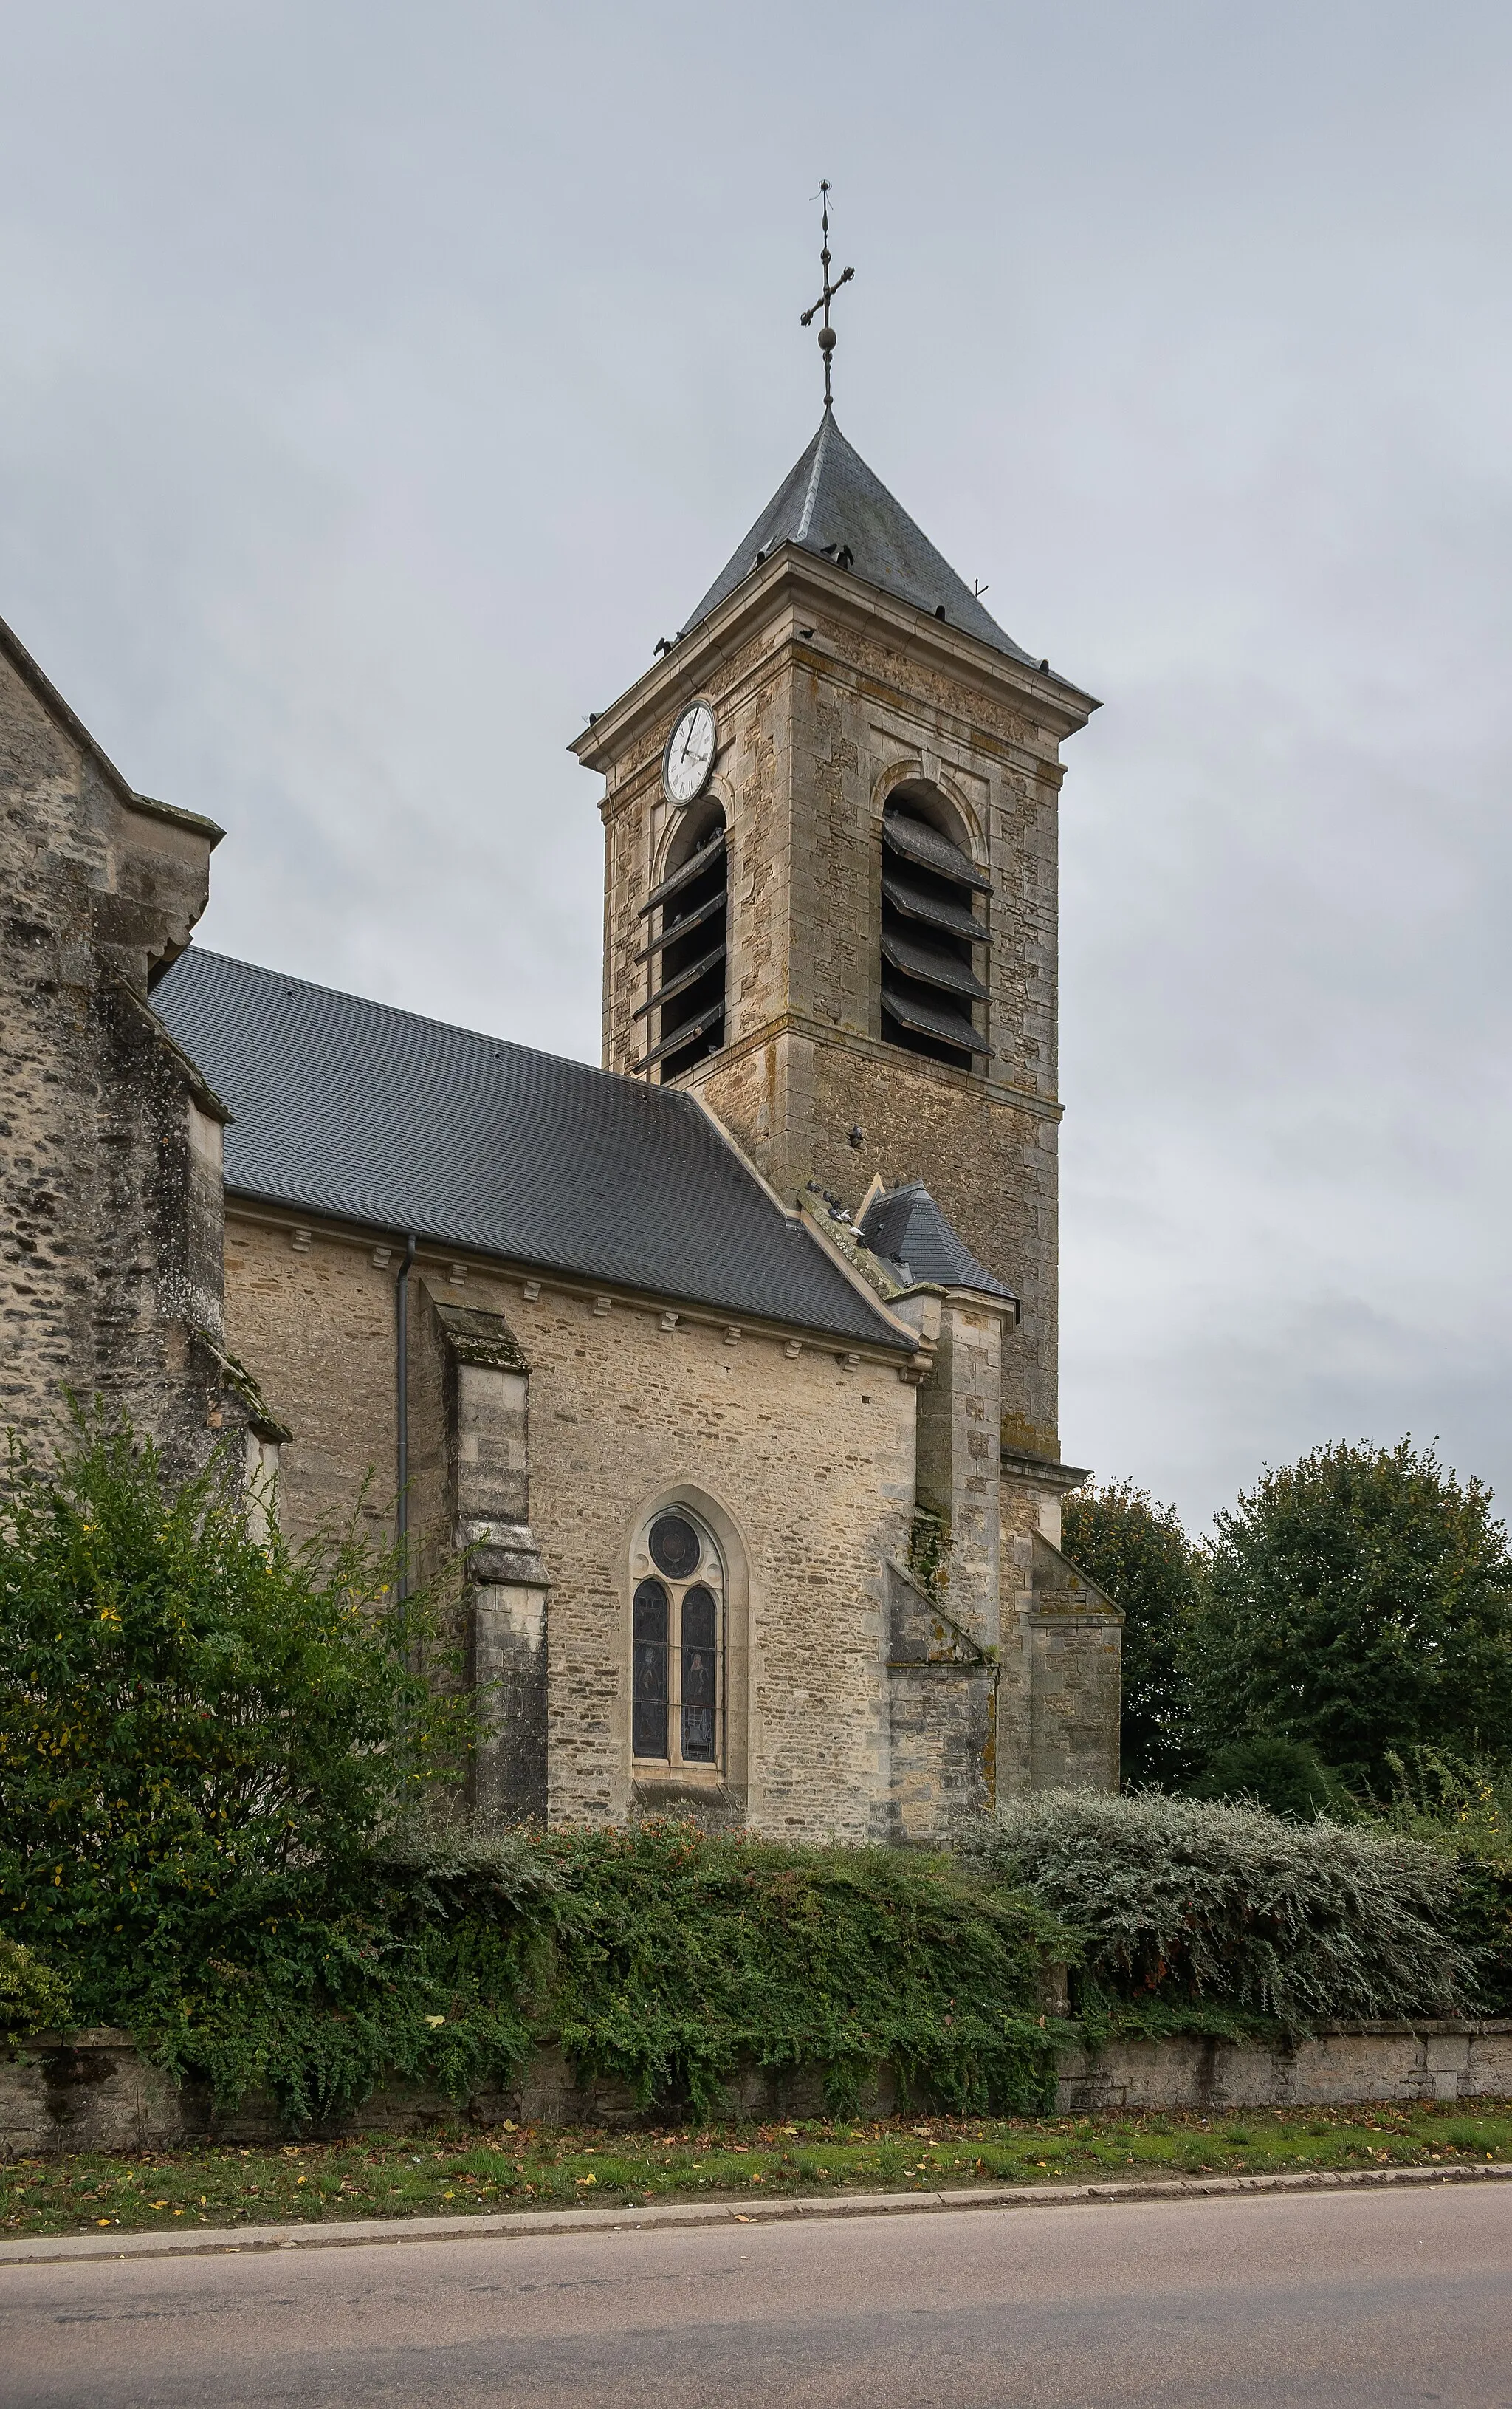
[(401, 1406)]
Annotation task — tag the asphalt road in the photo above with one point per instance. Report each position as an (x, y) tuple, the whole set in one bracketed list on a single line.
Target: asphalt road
[(1300, 2299)]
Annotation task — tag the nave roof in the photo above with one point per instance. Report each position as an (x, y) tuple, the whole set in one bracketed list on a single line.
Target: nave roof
[(357, 1112)]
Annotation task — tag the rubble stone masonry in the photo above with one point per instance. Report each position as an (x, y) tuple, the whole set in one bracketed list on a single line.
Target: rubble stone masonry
[(109, 1140)]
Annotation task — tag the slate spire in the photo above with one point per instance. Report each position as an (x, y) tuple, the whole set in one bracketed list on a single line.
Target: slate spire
[(831, 504)]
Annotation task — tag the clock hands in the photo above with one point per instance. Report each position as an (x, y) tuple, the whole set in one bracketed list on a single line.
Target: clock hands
[(690, 751)]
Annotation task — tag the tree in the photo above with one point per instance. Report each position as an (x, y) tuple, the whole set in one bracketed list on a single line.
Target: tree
[(1285, 1776), (202, 1733), (1138, 1552), (1358, 1601)]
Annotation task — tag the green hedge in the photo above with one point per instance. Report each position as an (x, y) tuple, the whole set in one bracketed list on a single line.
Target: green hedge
[(660, 1956), (1462, 1806), (677, 1956)]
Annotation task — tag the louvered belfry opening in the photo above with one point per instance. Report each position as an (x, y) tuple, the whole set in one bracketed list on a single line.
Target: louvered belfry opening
[(932, 928), (686, 950)]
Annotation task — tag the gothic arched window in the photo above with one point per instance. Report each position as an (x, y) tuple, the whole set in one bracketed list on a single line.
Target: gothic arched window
[(686, 950), (931, 994), (677, 1644)]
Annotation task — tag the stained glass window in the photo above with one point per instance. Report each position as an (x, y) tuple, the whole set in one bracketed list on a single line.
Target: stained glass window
[(700, 1636), (677, 1700), (649, 1683)]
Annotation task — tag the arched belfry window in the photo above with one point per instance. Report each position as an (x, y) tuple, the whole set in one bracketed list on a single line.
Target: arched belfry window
[(677, 1644), (685, 1006), (934, 933)]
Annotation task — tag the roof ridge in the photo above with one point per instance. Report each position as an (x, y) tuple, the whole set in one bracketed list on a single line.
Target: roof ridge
[(810, 497)]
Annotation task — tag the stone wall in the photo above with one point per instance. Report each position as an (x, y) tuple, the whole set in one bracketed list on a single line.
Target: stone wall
[(91, 2090), (110, 1141), (1338, 2066), (941, 1701), (1058, 1699), (799, 1459), (315, 1322)]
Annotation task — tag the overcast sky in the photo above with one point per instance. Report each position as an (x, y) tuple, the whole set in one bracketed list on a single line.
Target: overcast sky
[(378, 382)]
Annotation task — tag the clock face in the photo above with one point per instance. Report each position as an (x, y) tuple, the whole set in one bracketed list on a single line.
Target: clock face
[(690, 755)]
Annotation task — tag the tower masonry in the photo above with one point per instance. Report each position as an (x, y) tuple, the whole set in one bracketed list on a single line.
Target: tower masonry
[(830, 820)]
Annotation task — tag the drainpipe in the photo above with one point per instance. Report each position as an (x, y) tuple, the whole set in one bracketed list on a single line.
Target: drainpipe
[(401, 1405)]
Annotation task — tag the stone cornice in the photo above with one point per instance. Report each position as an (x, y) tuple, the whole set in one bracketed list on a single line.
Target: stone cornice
[(604, 1296), (824, 1033), (789, 574)]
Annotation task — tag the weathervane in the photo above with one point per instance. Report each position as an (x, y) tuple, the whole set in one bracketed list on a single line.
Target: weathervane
[(827, 331)]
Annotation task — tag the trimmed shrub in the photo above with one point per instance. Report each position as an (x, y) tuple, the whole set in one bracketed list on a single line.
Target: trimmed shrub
[(1182, 1901)]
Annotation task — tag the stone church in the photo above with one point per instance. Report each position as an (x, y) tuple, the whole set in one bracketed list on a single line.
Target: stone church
[(731, 1368)]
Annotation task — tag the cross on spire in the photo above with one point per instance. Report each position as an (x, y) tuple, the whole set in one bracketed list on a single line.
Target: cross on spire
[(827, 331)]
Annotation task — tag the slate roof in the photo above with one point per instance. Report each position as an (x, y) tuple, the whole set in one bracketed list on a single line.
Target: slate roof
[(353, 1110), (831, 499), (907, 1229)]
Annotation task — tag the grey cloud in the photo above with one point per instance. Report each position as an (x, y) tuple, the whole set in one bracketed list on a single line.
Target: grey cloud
[(378, 385)]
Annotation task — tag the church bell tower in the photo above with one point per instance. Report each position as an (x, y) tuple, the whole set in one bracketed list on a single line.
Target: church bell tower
[(831, 882)]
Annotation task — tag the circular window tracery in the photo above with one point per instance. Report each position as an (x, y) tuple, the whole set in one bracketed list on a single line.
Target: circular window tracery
[(675, 1547)]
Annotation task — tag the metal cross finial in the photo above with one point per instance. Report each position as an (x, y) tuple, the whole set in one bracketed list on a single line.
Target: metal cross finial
[(827, 331)]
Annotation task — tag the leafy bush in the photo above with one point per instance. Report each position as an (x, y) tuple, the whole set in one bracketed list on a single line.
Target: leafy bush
[(31, 1998), (1463, 1804), (202, 1734), (678, 1955), (1182, 1900), (1463, 1807), (662, 1956), (1138, 1552), (1361, 1602), (1284, 1776)]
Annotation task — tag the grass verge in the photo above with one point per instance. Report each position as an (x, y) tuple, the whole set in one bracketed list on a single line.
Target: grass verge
[(514, 2168)]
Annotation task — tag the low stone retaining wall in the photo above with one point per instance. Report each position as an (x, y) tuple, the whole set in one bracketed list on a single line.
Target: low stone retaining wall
[(1334, 2068), (92, 2090)]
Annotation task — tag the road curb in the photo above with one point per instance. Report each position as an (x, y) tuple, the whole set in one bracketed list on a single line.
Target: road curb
[(232, 2241)]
